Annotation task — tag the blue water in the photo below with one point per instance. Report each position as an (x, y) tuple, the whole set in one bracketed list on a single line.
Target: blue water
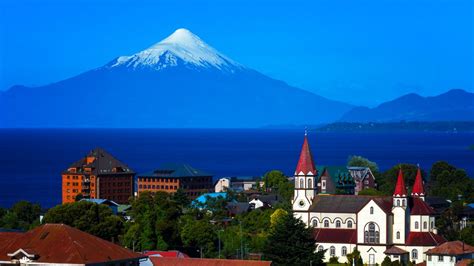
[(31, 160)]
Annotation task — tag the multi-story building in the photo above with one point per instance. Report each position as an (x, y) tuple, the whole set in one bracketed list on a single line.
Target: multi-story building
[(170, 177), (98, 175), (401, 226)]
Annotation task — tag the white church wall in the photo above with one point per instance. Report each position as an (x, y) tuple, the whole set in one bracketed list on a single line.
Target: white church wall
[(374, 253), (378, 217), (343, 218), (421, 220), (338, 251)]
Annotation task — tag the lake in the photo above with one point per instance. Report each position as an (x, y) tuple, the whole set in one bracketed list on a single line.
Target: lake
[(31, 160)]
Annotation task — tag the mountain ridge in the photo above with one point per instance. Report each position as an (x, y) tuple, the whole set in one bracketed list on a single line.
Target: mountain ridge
[(453, 105)]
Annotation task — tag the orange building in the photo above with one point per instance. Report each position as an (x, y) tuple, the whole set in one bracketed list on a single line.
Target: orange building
[(98, 175), (170, 177)]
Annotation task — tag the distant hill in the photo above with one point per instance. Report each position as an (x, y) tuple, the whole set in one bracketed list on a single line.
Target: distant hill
[(178, 82), (414, 126), (454, 105)]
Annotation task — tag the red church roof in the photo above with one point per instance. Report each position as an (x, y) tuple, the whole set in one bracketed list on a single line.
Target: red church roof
[(400, 189), (418, 189), (59, 243), (424, 239), (306, 163), (326, 235), (420, 207)]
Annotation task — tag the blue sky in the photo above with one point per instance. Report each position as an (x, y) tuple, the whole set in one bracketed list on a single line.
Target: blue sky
[(363, 52)]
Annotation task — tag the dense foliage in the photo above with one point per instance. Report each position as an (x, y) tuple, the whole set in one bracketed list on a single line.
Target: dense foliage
[(23, 215), (290, 242)]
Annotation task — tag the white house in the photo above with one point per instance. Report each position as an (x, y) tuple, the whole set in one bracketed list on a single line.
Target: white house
[(450, 254), (400, 226)]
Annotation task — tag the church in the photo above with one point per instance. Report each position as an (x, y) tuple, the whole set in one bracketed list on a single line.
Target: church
[(401, 226)]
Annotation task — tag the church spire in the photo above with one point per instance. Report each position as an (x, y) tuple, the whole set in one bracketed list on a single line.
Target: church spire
[(400, 189), (305, 163), (418, 189)]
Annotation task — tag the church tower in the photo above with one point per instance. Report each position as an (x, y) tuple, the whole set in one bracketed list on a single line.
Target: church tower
[(418, 189), (305, 179), (400, 211)]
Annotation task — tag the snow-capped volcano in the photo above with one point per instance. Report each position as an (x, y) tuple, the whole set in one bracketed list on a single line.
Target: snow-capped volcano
[(180, 48)]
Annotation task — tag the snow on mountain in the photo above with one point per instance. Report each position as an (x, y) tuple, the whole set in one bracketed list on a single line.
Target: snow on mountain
[(180, 47)]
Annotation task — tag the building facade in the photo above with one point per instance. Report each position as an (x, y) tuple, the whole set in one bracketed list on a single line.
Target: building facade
[(376, 226), (98, 175), (170, 177)]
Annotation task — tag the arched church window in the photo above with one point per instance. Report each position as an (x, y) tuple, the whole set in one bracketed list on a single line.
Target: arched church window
[(344, 251), (310, 183), (414, 254), (425, 225), (349, 224), (398, 202), (315, 223), (403, 203), (301, 183), (296, 183), (416, 225), (320, 248), (326, 223), (338, 224), (372, 234), (398, 235), (371, 210), (332, 251)]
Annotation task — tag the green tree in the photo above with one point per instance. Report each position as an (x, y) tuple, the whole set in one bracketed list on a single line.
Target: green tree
[(89, 217), (333, 260), (276, 181), (451, 183), (355, 160), (199, 235), (355, 255), (290, 242), (371, 192), (181, 198), (387, 261), (28, 214), (387, 180), (467, 235), (276, 216)]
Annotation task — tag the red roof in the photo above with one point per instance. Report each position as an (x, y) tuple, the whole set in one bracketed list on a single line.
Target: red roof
[(327, 235), (424, 239), (306, 163), (167, 254), (418, 189), (400, 189), (7, 237), (385, 203), (158, 261), (59, 243), (420, 207), (395, 251), (451, 248)]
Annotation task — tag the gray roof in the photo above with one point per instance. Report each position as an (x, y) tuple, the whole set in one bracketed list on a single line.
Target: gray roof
[(102, 165), (338, 203), (175, 170)]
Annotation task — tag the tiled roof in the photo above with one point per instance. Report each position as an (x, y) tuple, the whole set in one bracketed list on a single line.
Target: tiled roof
[(305, 163), (8, 237), (347, 203), (451, 248), (400, 189), (328, 235), (395, 251), (167, 254), (160, 261), (175, 170), (58, 243), (102, 165), (424, 239), (420, 207)]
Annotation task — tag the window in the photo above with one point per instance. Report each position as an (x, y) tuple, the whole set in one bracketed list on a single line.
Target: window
[(323, 184), (440, 258), (452, 259), (429, 257), (371, 234), (338, 224), (403, 203), (425, 225), (416, 225), (301, 183), (349, 224), (326, 223), (432, 224), (398, 235), (398, 202), (371, 210), (310, 183), (315, 223), (332, 251), (414, 254), (296, 183), (344, 251), (320, 248)]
